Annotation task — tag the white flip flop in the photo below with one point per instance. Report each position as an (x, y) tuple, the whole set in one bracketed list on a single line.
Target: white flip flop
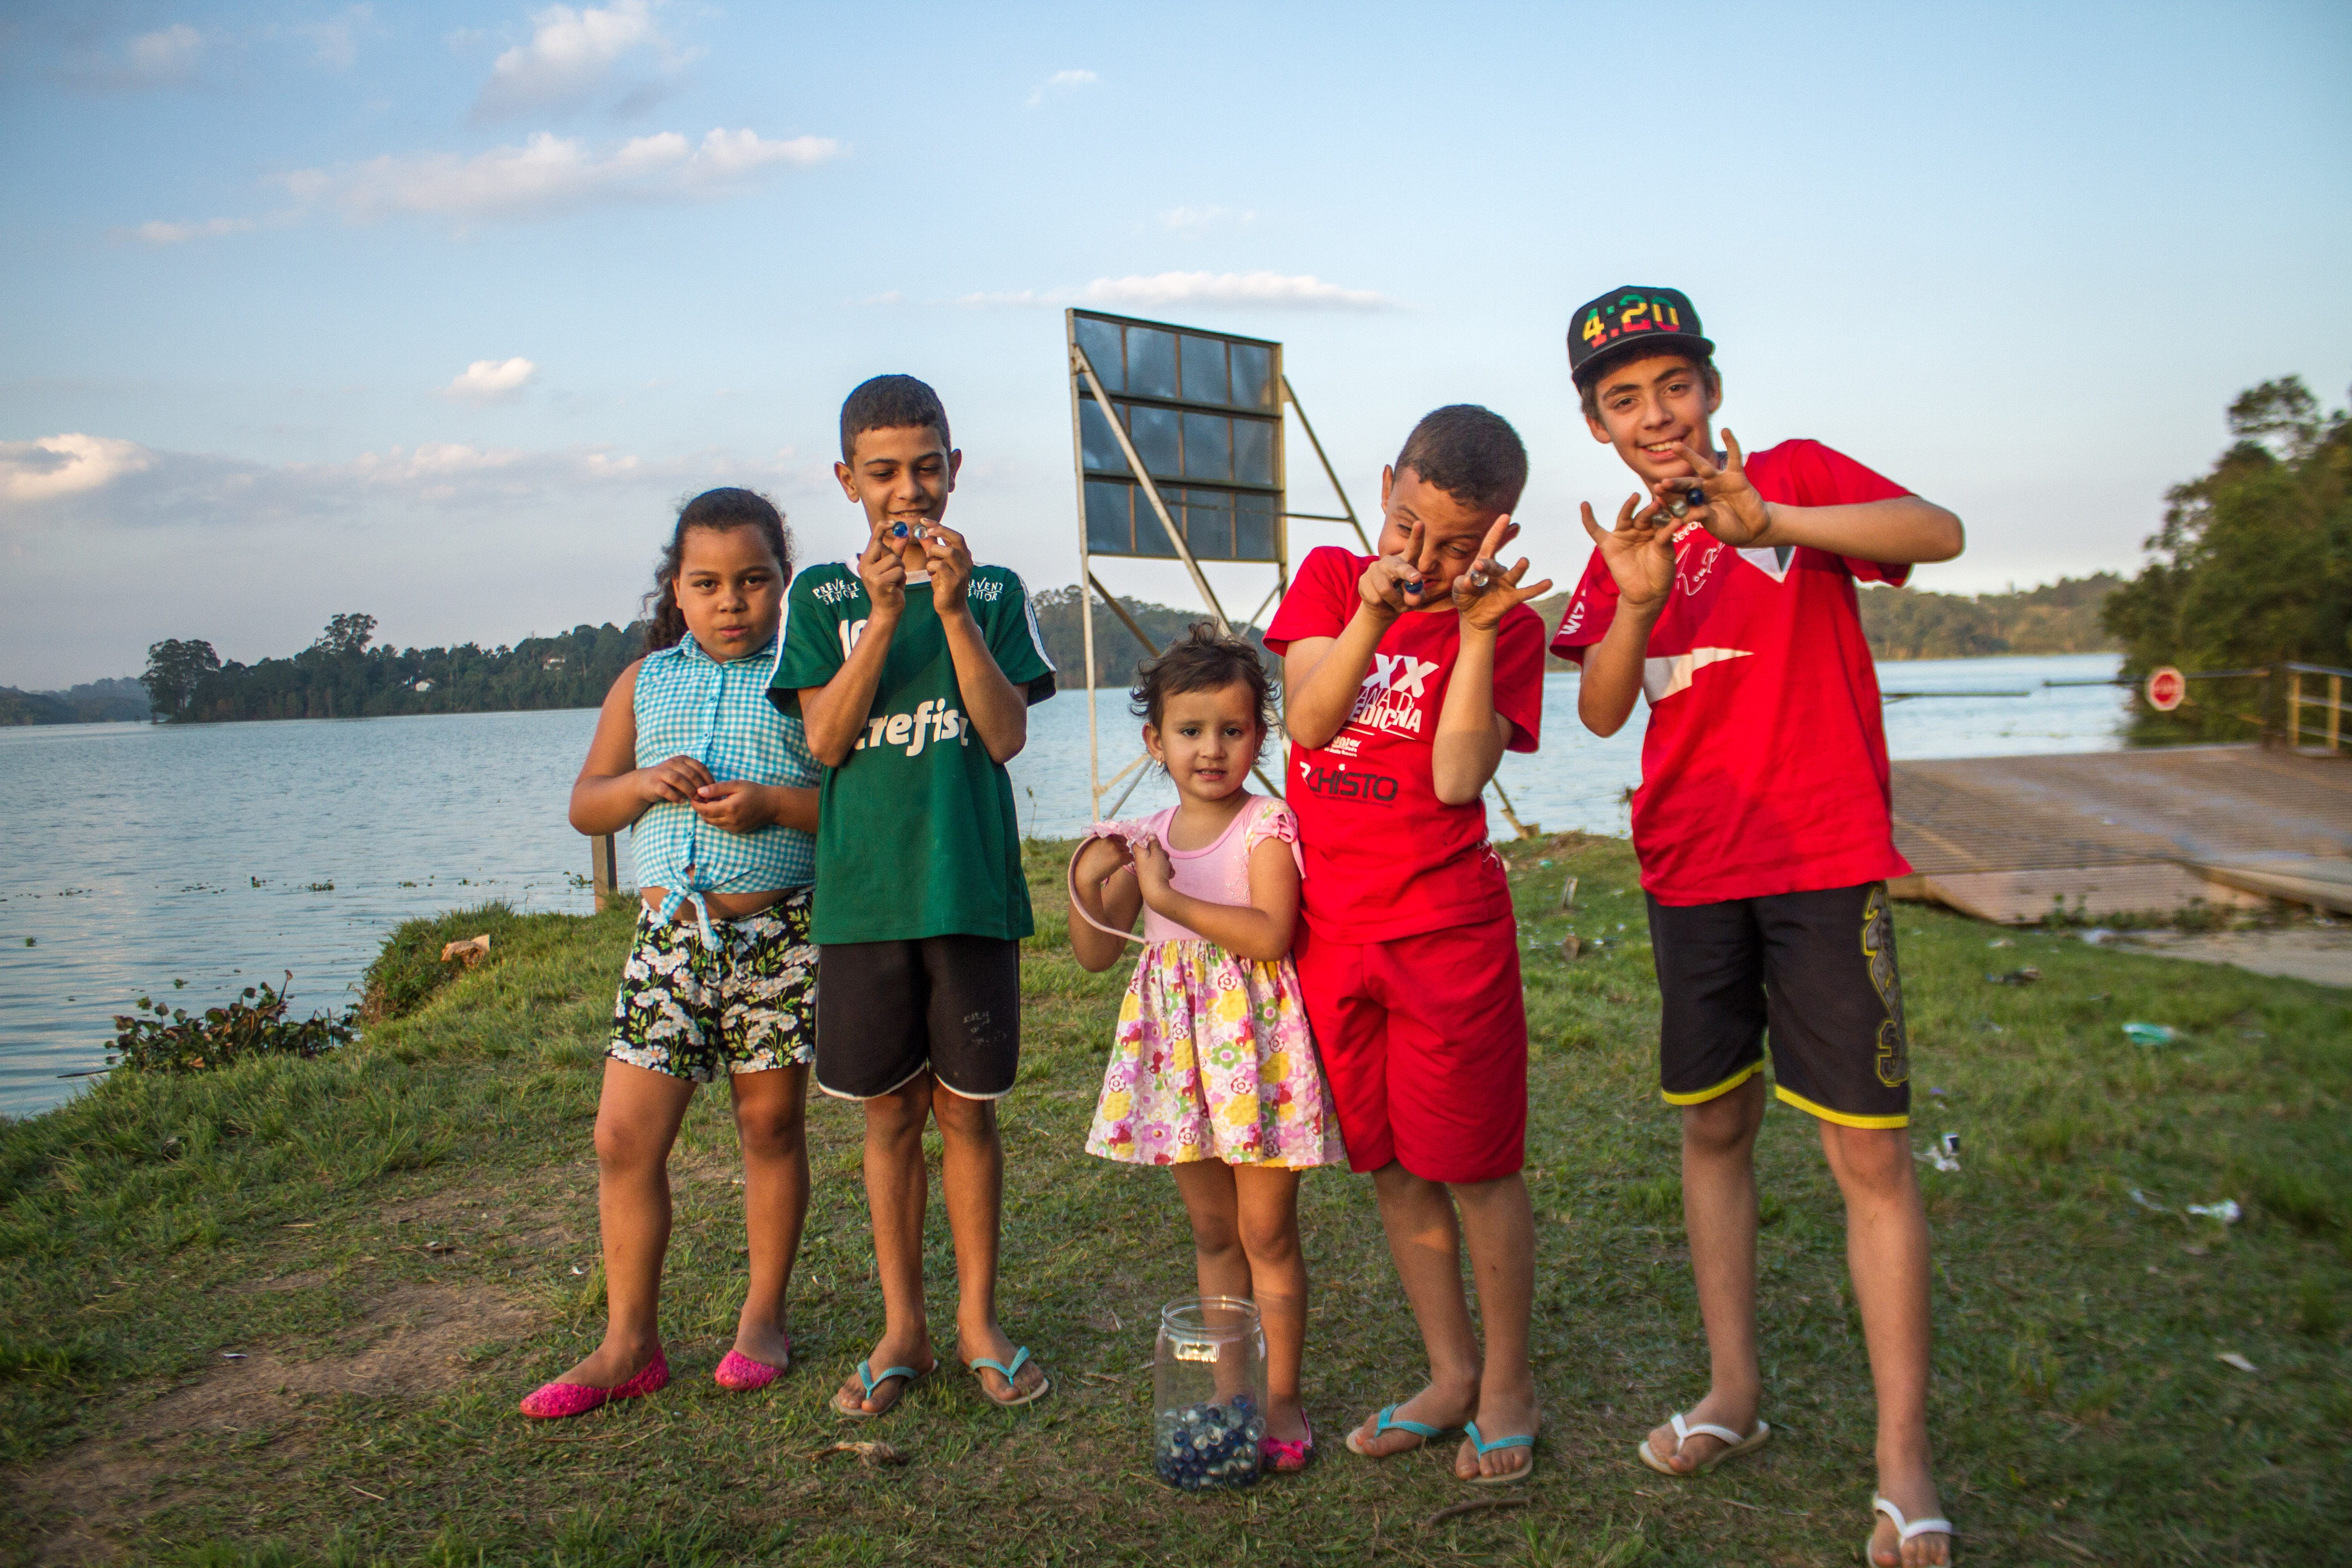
[(1734, 1444), (1905, 1528)]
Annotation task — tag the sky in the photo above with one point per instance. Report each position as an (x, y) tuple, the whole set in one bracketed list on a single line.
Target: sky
[(438, 311)]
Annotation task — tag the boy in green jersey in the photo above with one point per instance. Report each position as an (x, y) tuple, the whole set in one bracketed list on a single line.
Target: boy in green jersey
[(913, 670)]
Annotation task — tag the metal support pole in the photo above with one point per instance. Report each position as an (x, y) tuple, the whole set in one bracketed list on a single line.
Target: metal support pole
[(1328, 472), (2335, 709), (2294, 709), (1086, 600), (1151, 491), (1120, 611)]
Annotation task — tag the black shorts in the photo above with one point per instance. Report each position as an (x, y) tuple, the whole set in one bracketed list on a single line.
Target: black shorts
[(1817, 969), (888, 1010)]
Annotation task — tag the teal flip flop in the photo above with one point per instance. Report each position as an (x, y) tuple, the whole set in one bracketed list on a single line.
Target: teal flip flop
[(1470, 1430), (1011, 1375), (1389, 1421), (866, 1375)]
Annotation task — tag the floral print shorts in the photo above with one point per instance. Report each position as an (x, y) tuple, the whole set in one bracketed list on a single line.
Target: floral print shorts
[(746, 1003)]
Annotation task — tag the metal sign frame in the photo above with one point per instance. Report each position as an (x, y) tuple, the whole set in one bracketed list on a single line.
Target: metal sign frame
[(1086, 387)]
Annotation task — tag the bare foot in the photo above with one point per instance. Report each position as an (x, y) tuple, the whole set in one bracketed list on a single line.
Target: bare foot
[(614, 1363), (1286, 1419), (851, 1398), (767, 1343), (1719, 1410), (993, 1342), (1915, 1495), (1500, 1414), (1432, 1406)]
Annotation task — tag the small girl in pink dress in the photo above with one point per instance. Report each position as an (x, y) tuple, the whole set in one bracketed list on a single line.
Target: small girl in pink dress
[(1214, 1072)]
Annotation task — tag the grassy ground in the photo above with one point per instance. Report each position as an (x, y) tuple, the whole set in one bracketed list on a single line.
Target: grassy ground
[(399, 1241)]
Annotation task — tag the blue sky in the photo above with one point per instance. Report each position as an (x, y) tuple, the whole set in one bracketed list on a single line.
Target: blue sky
[(433, 311)]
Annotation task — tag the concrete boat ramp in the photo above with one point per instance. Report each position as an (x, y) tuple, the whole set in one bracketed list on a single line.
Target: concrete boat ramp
[(2102, 834)]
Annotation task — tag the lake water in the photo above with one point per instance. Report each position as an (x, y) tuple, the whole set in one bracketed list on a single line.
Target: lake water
[(221, 855)]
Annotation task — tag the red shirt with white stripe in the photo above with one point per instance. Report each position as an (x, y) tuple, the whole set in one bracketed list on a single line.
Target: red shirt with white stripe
[(1385, 858), (1764, 769)]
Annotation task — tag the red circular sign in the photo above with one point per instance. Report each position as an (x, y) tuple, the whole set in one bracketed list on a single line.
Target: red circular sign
[(2166, 687)]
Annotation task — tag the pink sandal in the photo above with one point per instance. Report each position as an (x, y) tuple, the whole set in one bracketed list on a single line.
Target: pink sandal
[(554, 1401), (1286, 1458), (739, 1373)]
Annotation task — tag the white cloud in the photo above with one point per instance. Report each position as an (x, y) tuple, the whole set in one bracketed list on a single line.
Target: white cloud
[(337, 41), (1196, 220), (1258, 290), (1062, 81), (160, 233), (167, 56), (55, 466), (553, 174), (490, 380), (97, 481), (572, 55)]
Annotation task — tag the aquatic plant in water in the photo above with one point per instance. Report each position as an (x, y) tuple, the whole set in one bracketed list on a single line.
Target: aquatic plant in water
[(255, 1023)]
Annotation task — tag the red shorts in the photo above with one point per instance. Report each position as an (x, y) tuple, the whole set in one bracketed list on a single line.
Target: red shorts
[(1424, 1041)]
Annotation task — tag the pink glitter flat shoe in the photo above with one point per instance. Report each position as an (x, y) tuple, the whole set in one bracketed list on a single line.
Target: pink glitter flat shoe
[(554, 1401), (1286, 1458), (739, 1373)]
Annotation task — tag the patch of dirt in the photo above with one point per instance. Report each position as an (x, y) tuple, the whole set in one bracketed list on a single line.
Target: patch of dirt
[(95, 1494)]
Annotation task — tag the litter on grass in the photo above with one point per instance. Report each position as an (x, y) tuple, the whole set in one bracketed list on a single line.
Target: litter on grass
[(1936, 1157), (2001, 942), (2149, 1204), (2153, 1035), (2227, 1211), (2232, 1358)]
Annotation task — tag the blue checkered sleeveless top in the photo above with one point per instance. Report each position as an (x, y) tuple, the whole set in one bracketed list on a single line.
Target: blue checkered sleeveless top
[(687, 704)]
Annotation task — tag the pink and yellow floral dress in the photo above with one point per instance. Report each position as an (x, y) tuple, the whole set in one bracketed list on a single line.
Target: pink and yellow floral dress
[(1213, 1058)]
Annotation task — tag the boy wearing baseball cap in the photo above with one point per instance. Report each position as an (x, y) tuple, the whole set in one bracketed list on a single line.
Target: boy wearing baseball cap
[(1763, 829)]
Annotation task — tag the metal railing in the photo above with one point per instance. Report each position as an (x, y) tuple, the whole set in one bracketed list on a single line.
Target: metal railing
[(2332, 705)]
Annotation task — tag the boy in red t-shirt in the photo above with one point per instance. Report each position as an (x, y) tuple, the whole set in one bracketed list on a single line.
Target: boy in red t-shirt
[(1763, 829), (1406, 676)]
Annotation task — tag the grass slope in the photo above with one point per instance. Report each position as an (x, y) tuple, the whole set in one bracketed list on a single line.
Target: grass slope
[(393, 1240)]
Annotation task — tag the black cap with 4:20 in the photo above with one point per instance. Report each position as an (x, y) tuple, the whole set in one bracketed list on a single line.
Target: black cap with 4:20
[(1629, 317)]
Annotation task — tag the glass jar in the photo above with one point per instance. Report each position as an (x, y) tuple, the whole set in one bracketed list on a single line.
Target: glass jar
[(1208, 1388)]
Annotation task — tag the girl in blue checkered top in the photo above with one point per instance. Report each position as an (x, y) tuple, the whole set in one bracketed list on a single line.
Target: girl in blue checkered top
[(719, 791)]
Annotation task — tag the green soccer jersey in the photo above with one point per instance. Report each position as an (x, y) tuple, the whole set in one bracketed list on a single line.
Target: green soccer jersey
[(916, 833)]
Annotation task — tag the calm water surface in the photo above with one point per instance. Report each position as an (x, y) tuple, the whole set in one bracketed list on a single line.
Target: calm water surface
[(224, 854)]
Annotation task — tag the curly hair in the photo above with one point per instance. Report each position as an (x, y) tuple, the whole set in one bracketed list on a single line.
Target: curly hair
[(1204, 660), (722, 511)]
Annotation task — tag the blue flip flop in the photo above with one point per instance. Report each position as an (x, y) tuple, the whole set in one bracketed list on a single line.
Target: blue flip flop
[(866, 1376), (1470, 1430), (1389, 1421), (1011, 1375)]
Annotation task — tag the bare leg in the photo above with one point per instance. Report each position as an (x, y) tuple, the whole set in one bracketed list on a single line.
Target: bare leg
[(1426, 1244), (897, 1188), (972, 1179), (1886, 1251), (1267, 1204), (637, 1116), (1219, 1263), (1719, 1212), (772, 1124), (1500, 1225)]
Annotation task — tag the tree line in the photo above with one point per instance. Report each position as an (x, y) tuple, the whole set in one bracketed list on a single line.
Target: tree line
[(342, 675)]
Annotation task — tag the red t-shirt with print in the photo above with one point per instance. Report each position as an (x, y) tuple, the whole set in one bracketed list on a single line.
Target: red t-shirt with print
[(1764, 769), (1385, 858)]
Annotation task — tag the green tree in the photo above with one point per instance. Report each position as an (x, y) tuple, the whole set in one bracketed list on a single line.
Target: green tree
[(347, 633), (2252, 566), (175, 670)]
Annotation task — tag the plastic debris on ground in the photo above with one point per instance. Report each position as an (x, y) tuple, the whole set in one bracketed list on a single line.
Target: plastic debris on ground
[(2153, 1035), (2227, 1211), (2232, 1358), (2025, 976), (2149, 1204), (2097, 935), (1941, 1156), (2001, 942)]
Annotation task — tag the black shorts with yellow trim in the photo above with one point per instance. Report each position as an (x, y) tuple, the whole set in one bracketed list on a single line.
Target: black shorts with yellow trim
[(1815, 971)]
